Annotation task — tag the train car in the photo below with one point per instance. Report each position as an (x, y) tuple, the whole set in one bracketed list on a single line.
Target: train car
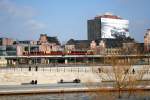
[(55, 53), (58, 53), (80, 53), (90, 53), (33, 53)]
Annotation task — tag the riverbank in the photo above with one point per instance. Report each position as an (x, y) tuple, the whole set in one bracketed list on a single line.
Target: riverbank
[(49, 75), (62, 88)]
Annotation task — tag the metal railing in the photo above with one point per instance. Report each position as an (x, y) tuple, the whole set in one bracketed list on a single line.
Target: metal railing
[(49, 69)]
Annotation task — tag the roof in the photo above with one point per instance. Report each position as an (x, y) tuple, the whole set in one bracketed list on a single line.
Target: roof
[(115, 43), (74, 42), (108, 15), (79, 44), (53, 40)]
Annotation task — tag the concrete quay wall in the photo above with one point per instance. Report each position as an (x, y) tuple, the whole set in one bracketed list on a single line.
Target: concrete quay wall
[(16, 76)]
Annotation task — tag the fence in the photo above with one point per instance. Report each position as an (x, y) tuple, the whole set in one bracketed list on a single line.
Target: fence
[(50, 69), (94, 69)]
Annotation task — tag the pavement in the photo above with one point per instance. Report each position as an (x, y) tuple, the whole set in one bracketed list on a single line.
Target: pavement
[(43, 88), (60, 88)]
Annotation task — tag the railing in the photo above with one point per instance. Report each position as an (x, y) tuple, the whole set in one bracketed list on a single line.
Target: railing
[(54, 65), (49, 69), (94, 69), (73, 55)]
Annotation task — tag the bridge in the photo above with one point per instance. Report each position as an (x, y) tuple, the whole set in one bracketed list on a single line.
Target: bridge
[(46, 59)]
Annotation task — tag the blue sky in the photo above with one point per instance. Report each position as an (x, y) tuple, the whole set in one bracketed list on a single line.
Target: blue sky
[(27, 19)]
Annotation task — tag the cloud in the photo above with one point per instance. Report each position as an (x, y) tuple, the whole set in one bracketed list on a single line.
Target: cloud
[(35, 25), (18, 19), (16, 11)]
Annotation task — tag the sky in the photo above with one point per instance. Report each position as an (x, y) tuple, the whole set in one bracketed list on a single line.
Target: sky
[(27, 19)]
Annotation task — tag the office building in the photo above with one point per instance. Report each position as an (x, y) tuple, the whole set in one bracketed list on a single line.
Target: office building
[(107, 26)]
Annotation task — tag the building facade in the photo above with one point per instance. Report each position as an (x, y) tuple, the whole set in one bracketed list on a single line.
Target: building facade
[(77, 44), (48, 44), (98, 47), (107, 26), (47, 39), (8, 50), (147, 41), (6, 41)]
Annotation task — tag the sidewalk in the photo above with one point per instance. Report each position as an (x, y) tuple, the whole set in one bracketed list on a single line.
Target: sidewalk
[(63, 88)]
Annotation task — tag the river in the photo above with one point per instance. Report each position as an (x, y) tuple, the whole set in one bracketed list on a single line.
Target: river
[(80, 96)]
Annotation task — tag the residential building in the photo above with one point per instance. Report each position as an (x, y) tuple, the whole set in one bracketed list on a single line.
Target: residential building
[(93, 45), (26, 42), (6, 41), (26, 47), (98, 47), (78, 44), (48, 44), (47, 39), (101, 47), (48, 47), (147, 41)]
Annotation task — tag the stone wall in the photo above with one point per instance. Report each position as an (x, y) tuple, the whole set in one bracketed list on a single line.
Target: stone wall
[(16, 76)]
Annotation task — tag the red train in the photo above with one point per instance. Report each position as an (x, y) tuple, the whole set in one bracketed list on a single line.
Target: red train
[(80, 53), (59, 53)]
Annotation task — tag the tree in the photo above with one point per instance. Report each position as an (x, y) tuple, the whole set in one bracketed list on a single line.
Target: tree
[(123, 74)]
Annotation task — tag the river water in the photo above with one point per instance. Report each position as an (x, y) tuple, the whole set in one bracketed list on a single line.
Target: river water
[(80, 96)]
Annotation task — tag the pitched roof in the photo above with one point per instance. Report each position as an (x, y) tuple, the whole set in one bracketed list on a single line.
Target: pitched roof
[(53, 40)]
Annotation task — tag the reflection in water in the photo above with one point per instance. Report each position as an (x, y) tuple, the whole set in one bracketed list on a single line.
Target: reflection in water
[(80, 96)]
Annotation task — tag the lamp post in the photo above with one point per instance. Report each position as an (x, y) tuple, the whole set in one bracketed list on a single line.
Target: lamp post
[(36, 55), (75, 59), (28, 53)]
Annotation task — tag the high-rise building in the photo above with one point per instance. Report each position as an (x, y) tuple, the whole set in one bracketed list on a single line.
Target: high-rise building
[(147, 41), (107, 26)]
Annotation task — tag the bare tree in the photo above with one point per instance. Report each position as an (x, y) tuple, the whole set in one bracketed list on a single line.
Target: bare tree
[(123, 74)]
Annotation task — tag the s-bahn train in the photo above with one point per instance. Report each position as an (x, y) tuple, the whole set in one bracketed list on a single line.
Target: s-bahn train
[(59, 53)]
